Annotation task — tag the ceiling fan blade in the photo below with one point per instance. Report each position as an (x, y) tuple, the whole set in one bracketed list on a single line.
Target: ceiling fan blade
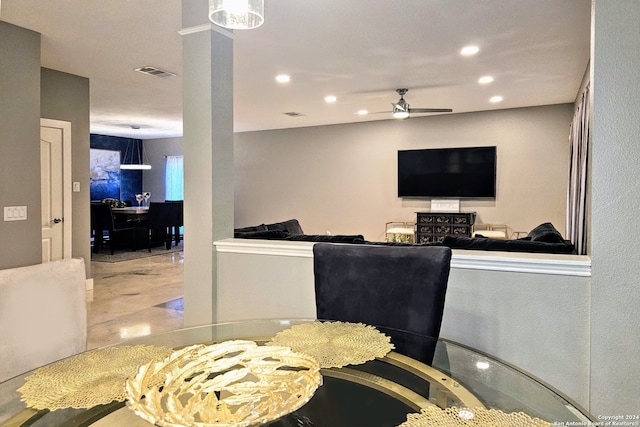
[(430, 110)]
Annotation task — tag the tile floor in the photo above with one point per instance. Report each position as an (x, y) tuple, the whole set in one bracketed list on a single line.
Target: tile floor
[(134, 298)]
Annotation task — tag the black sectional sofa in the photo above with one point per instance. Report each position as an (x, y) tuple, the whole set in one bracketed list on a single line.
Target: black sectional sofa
[(291, 230), (544, 238)]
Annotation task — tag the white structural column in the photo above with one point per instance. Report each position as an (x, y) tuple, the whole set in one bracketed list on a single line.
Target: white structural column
[(208, 155)]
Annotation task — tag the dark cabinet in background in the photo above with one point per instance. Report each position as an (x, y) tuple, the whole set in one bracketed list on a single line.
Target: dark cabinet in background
[(432, 227)]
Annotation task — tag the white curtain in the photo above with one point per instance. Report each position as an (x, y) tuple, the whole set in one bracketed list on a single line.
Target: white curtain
[(174, 178), (578, 167)]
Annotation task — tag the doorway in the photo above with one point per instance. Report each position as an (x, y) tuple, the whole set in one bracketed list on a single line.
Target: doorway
[(55, 189)]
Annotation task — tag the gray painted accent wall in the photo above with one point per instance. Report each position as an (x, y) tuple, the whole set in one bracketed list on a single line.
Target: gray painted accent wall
[(66, 97), (20, 144), (27, 93)]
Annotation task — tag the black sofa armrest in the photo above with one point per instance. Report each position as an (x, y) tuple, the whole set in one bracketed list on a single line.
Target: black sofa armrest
[(262, 234), (337, 238), (519, 245)]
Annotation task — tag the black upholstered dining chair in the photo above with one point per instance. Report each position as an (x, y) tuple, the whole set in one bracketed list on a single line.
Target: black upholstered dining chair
[(176, 219), (157, 224), (397, 287), (102, 219)]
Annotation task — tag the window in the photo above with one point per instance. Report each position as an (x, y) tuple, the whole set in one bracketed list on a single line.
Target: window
[(174, 178)]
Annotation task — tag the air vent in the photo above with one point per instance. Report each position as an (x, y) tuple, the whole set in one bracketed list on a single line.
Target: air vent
[(153, 71), (293, 114)]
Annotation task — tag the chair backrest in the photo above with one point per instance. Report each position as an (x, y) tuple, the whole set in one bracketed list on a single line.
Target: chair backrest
[(159, 215), (101, 216), (399, 287), (176, 217)]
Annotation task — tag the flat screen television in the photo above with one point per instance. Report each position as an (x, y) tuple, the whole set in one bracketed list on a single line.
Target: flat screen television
[(466, 172)]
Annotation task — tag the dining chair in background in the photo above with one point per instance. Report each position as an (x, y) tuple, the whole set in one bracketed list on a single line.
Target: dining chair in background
[(176, 219), (102, 219), (158, 224)]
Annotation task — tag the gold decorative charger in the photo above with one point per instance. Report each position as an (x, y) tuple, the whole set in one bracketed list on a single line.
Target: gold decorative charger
[(87, 379), (335, 344), (233, 383), (476, 417)]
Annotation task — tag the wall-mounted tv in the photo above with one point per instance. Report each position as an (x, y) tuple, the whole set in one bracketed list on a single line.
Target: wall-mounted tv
[(466, 172)]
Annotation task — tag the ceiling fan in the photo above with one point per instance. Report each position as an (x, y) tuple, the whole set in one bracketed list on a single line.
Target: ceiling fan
[(401, 109)]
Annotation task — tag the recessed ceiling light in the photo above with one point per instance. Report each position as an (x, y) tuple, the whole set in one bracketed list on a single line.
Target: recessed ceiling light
[(283, 78), (469, 50), (495, 99), (362, 112), (485, 80), (330, 99)]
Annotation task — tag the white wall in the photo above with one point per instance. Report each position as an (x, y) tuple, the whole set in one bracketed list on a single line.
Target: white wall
[(343, 179)]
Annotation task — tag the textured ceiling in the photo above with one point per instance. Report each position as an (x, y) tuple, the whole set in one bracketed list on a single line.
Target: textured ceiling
[(358, 50)]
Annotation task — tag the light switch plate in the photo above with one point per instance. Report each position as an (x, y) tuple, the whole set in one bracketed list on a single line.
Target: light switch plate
[(76, 187), (15, 213)]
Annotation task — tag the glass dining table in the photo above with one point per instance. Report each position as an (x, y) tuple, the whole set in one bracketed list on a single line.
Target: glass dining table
[(421, 381)]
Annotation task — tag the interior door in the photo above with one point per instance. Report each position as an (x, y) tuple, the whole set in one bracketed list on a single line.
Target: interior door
[(55, 185)]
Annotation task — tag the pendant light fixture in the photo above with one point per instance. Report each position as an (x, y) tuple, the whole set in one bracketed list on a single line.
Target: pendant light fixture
[(237, 14), (128, 154)]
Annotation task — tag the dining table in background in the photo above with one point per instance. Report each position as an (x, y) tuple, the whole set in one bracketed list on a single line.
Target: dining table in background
[(131, 213)]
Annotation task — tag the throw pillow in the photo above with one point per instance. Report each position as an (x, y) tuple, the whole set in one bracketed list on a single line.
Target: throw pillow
[(546, 233)]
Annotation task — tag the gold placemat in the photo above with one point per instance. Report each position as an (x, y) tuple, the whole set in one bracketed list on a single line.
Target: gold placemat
[(233, 383), (475, 417), (335, 344), (87, 379)]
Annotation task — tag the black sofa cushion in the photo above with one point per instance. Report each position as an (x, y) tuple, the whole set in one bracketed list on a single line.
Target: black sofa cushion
[(519, 245), (545, 233), (260, 227), (291, 226)]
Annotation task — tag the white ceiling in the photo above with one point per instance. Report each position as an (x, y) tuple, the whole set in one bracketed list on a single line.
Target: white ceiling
[(358, 50)]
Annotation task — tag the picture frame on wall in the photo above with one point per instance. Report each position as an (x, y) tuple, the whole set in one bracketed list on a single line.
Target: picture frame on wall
[(104, 174)]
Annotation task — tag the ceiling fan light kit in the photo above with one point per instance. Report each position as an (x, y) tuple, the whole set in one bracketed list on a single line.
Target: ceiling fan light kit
[(237, 14), (399, 113)]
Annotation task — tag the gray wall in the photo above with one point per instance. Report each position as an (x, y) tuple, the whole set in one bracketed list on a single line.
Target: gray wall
[(615, 247), (66, 97), (156, 150), (20, 144), (342, 178), (27, 93)]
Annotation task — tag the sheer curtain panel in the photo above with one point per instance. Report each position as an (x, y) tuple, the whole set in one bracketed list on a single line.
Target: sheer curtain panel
[(174, 178), (578, 167)]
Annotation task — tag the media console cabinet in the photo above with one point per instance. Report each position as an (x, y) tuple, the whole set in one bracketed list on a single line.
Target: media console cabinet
[(432, 227)]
